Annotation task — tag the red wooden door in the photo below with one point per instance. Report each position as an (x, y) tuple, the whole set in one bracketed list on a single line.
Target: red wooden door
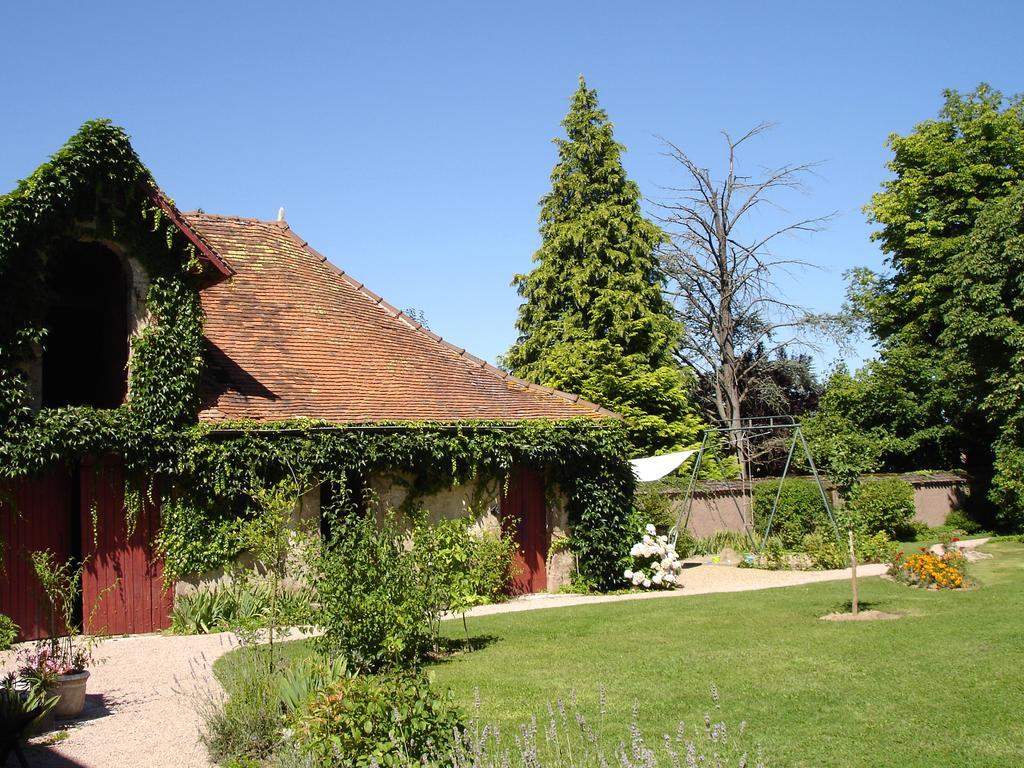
[(122, 585), (35, 514), (524, 512)]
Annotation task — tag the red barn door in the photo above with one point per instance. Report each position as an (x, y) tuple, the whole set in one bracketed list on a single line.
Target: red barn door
[(122, 586), (523, 511), (35, 515)]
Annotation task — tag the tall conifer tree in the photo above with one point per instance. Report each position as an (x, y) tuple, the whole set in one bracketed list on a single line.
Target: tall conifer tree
[(593, 320)]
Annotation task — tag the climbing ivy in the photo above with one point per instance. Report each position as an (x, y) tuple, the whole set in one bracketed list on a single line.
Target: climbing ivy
[(582, 458), (96, 188)]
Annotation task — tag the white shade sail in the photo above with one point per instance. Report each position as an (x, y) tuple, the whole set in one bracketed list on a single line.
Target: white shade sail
[(656, 467)]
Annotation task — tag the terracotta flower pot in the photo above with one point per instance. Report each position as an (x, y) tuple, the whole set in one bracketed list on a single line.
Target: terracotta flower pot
[(70, 692)]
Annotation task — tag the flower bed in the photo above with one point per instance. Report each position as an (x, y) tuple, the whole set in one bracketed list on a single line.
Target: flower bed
[(927, 569)]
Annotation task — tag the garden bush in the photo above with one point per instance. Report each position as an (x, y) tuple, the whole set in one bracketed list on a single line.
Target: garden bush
[(799, 513), (373, 608), (246, 725), (959, 520), (393, 719), (8, 632), (655, 508), (382, 591), (827, 552), (263, 688), (242, 604), (884, 505), (465, 568)]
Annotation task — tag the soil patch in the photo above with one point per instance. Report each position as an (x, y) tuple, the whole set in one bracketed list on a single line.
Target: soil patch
[(862, 616)]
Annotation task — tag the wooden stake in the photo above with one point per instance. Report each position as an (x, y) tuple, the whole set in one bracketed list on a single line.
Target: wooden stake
[(853, 573)]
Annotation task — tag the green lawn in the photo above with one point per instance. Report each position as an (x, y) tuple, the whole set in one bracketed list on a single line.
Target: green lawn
[(942, 686)]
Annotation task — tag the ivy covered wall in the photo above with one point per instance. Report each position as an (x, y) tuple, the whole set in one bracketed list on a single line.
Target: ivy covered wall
[(96, 188)]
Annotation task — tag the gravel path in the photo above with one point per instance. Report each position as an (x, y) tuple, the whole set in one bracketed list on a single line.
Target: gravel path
[(141, 707)]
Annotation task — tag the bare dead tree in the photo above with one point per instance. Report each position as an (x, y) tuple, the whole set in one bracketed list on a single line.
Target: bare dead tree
[(721, 276)]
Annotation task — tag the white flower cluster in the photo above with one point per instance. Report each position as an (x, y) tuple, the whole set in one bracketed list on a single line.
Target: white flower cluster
[(656, 564)]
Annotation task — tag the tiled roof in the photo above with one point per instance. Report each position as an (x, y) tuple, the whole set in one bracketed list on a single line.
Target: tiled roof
[(291, 336)]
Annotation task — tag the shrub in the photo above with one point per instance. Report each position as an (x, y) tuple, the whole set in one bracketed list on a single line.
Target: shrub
[(491, 565), (655, 562), (883, 505), (394, 719), (828, 553), (263, 687), (374, 609), (245, 726), (825, 551), (655, 508), (800, 510), (243, 604), (878, 548), (382, 592), (8, 632), (958, 519), (463, 568)]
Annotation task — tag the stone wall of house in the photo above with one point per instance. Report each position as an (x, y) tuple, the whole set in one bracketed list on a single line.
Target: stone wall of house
[(479, 500), (725, 505), (476, 499), (561, 563), (306, 517)]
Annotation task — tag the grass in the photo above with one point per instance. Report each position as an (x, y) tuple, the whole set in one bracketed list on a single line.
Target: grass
[(941, 686)]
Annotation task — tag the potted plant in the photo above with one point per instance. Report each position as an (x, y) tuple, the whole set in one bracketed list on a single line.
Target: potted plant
[(59, 664), (25, 709)]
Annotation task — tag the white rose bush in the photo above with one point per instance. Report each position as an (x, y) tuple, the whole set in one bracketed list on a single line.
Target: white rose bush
[(655, 562)]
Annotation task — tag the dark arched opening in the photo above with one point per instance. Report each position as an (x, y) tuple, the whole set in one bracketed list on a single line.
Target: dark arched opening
[(85, 350)]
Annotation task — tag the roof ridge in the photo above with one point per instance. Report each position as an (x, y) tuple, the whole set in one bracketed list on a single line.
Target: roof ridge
[(226, 217), (420, 328)]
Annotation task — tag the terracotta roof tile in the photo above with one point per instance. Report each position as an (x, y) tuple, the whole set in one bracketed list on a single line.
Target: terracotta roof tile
[(289, 335)]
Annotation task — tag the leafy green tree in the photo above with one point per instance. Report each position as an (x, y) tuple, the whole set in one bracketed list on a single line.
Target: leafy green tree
[(947, 173), (593, 320), (946, 170), (983, 343), (879, 417)]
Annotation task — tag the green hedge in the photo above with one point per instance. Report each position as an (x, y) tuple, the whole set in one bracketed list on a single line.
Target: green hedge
[(885, 505), (799, 513)]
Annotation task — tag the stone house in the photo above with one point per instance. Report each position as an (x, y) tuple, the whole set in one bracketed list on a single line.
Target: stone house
[(286, 336)]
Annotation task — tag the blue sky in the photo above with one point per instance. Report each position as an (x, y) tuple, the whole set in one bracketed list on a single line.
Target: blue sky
[(410, 143)]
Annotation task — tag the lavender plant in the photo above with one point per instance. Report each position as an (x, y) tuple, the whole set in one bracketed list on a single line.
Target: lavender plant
[(568, 739)]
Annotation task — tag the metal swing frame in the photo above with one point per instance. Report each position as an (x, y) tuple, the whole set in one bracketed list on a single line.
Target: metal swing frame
[(757, 424)]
